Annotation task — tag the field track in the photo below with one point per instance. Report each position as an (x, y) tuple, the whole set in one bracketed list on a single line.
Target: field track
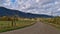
[(38, 28)]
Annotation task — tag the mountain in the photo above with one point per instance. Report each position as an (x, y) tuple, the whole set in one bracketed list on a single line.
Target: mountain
[(9, 12)]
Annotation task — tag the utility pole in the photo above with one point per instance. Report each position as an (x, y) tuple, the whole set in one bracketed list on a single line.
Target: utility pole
[(51, 15)]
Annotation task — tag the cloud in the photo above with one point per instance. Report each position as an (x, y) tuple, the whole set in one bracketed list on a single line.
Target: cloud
[(33, 6)]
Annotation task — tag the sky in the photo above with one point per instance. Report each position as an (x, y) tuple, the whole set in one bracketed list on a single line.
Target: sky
[(34, 6)]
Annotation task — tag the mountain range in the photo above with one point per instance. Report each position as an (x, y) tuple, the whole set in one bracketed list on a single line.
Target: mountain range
[(9, 12)]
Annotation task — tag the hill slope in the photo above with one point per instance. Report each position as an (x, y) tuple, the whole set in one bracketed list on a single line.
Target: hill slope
[(8, 12)]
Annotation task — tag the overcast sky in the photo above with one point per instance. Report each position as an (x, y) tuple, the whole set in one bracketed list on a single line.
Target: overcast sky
[(33, 6)]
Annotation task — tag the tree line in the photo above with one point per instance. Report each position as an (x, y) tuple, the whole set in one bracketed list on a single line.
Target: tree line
[(6, 18)]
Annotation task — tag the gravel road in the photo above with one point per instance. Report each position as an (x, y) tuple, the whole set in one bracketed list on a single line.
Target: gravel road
[(38, 28)]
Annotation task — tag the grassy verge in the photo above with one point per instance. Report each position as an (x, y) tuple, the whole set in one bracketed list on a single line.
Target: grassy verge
[(6, 25), (55, 22)]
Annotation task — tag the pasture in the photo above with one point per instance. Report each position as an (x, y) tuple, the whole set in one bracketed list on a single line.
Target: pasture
[(7, 25), (55, 22)]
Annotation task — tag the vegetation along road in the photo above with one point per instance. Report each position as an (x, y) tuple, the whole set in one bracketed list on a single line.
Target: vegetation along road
[(38, 28)]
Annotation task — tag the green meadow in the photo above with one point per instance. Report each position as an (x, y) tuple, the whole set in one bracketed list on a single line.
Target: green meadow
[(55, 22), (8, 24)]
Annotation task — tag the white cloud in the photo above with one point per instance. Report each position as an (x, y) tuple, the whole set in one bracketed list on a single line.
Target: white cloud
[(58, 9), (34, 6), (37, 1)]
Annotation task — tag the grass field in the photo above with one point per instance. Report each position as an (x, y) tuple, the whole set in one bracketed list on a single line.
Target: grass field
[(55, 22), (7, 25)]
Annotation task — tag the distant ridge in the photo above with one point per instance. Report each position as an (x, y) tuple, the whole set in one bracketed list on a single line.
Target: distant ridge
[(8, 12)]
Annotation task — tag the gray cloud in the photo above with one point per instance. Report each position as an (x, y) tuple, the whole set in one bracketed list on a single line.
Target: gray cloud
[(34, 6)]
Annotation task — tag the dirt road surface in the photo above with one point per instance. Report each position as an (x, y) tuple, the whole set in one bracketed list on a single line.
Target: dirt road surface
[(38, 28)]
